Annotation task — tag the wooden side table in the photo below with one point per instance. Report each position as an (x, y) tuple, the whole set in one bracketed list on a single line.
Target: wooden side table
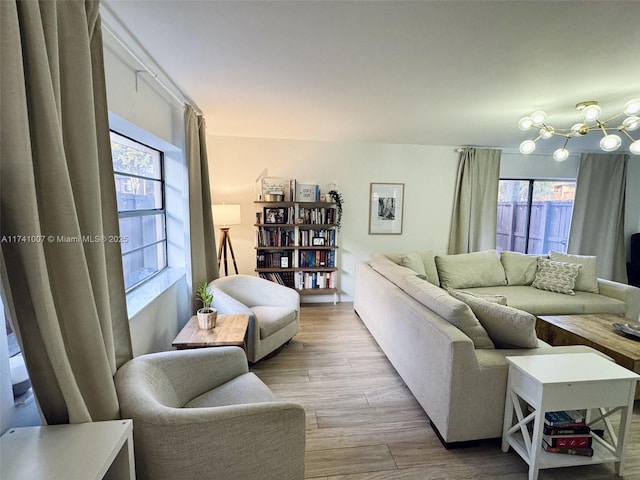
[(574, 381), (74, 452), (230, 330)]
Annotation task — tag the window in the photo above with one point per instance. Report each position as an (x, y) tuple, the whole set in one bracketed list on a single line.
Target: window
[(139, 182), (534, 215)]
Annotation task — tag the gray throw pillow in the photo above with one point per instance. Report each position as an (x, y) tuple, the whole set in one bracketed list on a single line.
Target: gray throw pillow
[(507, 327), (558, 277), (519, 268), (467, 270), (413, 260)]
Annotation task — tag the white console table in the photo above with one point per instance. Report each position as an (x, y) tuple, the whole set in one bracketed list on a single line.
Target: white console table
[(69, 452), (573, 381)]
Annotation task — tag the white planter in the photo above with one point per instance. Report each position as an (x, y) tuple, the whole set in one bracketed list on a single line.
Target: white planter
[(207, 318)]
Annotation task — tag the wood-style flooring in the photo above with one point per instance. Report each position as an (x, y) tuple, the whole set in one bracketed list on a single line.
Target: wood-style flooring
[(364, 424)]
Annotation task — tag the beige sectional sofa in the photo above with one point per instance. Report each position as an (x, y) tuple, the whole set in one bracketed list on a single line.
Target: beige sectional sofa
[(440, 348)]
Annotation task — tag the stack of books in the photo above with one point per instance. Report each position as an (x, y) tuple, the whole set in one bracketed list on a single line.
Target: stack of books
[(566, 432)]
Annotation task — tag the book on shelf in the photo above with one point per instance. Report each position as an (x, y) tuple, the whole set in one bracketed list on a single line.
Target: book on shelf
[(568, 441), (570, 430), (564, 418), (582, 451)]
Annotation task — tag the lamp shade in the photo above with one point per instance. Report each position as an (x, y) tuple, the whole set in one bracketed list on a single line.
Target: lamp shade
[(224, 215)]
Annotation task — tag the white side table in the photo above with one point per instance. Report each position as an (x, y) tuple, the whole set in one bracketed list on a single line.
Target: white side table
[(68, 452), (573, 381)]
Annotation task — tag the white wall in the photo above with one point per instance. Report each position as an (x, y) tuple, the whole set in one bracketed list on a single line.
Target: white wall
[(428, 173), (141, 109)]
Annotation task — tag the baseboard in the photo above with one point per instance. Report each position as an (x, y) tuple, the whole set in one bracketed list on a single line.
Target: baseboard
[(454, 445)]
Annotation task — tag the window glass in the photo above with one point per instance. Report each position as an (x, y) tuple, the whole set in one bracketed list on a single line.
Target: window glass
[(534, 216), (140, 196)]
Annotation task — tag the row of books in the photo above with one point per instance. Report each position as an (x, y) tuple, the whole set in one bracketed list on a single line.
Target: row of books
[(566, 432), (273, 259), (283, 278), (309, 238), (275, 237), (316, 216), (317, 258), (310, 280)]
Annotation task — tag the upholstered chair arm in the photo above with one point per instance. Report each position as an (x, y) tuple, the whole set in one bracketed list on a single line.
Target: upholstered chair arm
[(225, 303), (628, 294), (252, 291), (174, 439)]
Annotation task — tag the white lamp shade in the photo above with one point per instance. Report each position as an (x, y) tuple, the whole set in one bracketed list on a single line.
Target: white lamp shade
[(224, 215)]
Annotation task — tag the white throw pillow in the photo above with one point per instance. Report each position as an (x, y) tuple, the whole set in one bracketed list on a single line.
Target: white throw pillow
[(587, 279), (507, 327), (558, 277), (467, 270), (519, 268)]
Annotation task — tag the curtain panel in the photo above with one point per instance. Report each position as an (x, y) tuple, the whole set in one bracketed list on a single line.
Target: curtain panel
[(475, 205), (597, 222), (204, 262), (62, 283)]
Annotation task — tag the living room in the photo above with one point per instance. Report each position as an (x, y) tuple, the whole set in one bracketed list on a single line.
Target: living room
[(315, 141)]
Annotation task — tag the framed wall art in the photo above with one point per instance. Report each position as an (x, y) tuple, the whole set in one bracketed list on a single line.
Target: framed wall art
[(386, 204)]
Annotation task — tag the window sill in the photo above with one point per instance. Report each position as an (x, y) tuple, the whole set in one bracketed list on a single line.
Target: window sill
[(140, 297)]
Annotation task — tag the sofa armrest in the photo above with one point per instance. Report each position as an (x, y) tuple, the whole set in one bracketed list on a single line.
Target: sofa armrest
[(628, 294), (200, 445)]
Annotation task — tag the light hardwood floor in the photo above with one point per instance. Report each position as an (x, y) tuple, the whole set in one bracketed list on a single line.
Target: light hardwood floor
[(364, 424)]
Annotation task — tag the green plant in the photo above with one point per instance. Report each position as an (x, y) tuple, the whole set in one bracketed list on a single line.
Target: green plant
[(338, 200), (205, 296)]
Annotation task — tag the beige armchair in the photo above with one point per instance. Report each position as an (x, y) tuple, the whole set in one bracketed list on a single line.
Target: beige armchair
[(273, 309), (199, 414)]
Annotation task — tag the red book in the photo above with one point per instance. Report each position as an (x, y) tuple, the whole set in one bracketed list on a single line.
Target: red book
[(582, 451), (568, 441)]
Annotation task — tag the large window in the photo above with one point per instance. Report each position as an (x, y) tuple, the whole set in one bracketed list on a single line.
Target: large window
[(140, 193), (534, 215)]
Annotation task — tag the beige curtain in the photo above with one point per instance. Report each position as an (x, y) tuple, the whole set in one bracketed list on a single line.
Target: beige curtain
[(62, 282), (204, 260), (597, 223), (475, 206)]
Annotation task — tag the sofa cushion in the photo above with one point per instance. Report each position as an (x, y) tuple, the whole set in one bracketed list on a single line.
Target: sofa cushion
[(507, 327), (542, 302), (478, 269), (558, 277), (587, 279), (519, 268), (454, 311), (388, 268), (429, 260), (487, 297), (413, 260)]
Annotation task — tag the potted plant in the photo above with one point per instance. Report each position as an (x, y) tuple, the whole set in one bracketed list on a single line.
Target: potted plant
[(336, 197), (207, 315)]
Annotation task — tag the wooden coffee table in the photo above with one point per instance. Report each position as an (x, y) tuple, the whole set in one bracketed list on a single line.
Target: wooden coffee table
[(595, 331), (230, 330)]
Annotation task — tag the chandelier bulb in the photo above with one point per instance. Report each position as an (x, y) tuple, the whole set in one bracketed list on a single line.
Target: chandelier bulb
[(634, 148), (538, 117), (631, 123), (527, 147), (546, 132), (611, 142), (632, 107), (591, 113), (525, 123), (561, 154)]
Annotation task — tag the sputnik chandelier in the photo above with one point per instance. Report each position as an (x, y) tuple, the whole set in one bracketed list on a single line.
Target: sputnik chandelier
[(590, 123)]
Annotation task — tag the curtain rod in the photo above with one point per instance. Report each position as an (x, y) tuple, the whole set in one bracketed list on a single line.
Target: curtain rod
[(112, 24)]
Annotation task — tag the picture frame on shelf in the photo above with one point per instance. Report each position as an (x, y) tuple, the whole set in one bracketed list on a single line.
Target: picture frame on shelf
[(386, 207), (275, 215), (318, 241), (284, 262)]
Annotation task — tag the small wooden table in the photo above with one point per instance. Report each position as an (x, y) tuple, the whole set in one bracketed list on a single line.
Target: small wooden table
[(230, 330), (595, 331)]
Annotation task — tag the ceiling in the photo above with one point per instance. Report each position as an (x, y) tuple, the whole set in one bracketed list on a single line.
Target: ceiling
[(409, 72)]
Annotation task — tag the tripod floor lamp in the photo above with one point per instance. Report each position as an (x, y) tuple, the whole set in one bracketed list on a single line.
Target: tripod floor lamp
[(225, 215)]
